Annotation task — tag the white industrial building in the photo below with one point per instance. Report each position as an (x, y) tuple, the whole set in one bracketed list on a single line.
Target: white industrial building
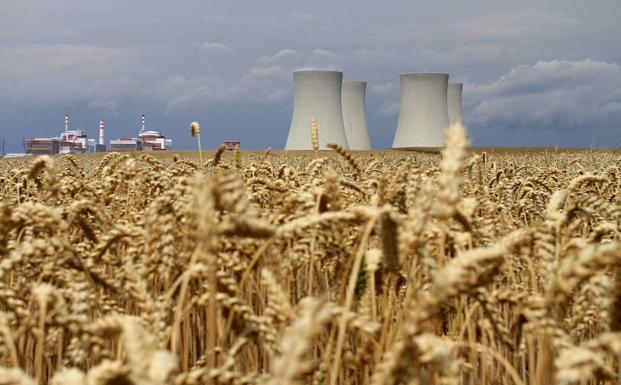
[(353, 105), (68, 142), (147, 140), (72, 141), (453, 99), (153, 140), (423, 111), (124, 144), (317, 95)]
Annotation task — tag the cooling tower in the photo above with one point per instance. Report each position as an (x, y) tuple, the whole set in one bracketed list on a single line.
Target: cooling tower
[(317, 94), (453, 100), (353, 102), (423, 112)]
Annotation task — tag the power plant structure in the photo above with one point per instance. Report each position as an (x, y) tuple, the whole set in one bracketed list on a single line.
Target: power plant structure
[(100, 146), (72, 141), (423, 110), (353, 105), (453, 99), (317, 95), (146, 141), (68, 142), (101, 133)]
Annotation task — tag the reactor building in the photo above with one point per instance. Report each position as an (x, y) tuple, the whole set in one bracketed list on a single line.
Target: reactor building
[(68, 142), (147, 140), (423, 110), (353, 105), (316, 95), (453, 100)]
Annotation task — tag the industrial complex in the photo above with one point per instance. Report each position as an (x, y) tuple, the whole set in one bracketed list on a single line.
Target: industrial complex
[(429, 103), (68, 142), (76, 141), (145, 141)]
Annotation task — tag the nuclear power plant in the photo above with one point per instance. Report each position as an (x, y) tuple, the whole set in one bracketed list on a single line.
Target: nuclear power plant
[(316, 95), (453, 99), (423, 112), (429, 105), (70, 141), (353, 105)]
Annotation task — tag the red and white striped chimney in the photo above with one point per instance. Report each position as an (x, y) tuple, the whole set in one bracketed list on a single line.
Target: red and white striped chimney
[(101, 132), (66, 122), (142, 124)]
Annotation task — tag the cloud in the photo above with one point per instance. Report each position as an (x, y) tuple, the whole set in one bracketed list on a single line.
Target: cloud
[(43, 74), (324, 59), (384, 89), (214, 46), (552, 95), (259, 85), (100, 77), (323, 54), (53, 60), (513, 25), (105, 105), (267, 71), (472, 52), (30, 59), (282, 57)]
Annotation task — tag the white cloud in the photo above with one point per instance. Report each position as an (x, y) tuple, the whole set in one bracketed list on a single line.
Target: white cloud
[(282, 57), (550, 95), (324, 59), (323, 54), (214, 46), (267, 71), (472, 52)]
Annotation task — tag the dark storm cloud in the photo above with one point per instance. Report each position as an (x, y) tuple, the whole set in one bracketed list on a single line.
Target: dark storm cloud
[(554, 98), (532, 71), (557, 95)]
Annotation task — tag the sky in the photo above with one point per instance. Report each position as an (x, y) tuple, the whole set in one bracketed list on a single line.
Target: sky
[(535, 73)]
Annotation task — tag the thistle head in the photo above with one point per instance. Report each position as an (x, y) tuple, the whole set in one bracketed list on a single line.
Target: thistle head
[(195, 128)]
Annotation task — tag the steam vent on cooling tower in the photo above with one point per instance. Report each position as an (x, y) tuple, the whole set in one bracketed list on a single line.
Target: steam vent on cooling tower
[(354, 114), (317, 94), (453, 99), (423, 113)]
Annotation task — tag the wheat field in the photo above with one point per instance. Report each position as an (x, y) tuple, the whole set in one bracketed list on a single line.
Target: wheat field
[(318, 268)]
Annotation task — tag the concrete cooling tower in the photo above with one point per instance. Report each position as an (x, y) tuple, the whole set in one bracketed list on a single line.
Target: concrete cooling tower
[(317, 94), (423, 112), (453, 99), (353, 102)]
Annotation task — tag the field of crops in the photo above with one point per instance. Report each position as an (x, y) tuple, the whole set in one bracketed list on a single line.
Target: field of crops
[(310, 268)]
